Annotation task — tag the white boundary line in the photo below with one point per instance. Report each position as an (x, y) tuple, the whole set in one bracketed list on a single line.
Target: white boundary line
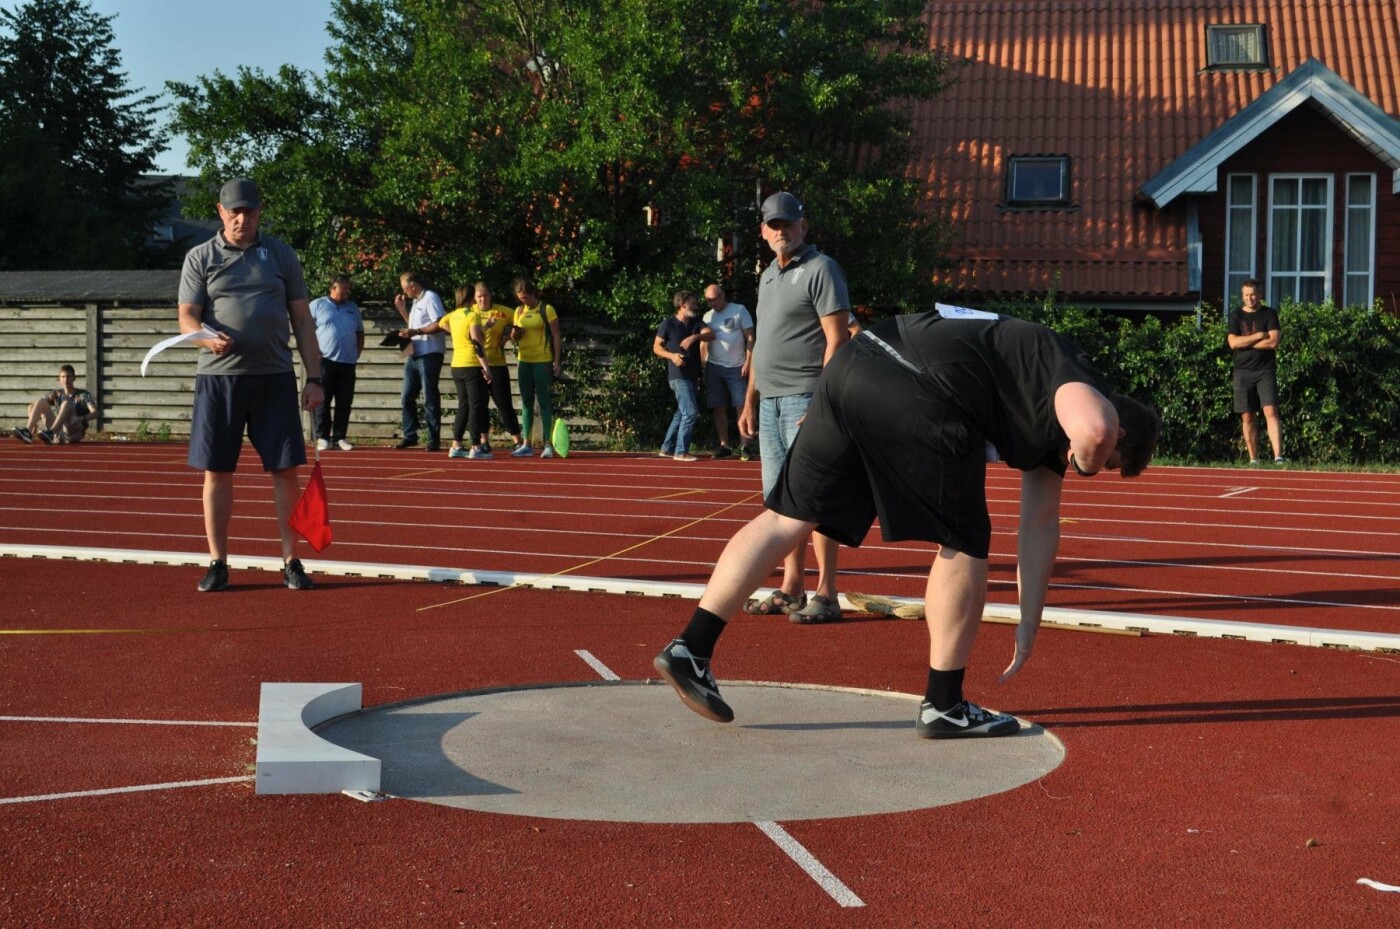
[(124, 790), (1164, 625), (814, 868), (137, 722), (603, 670)]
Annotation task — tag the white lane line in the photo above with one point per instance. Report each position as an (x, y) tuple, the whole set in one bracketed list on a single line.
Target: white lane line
[(603, 670), (814, 868), (1236, 491), (124, 790), (138, 722)]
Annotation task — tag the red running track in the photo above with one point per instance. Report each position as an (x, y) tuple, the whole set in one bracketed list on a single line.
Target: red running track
[(1197, 770)]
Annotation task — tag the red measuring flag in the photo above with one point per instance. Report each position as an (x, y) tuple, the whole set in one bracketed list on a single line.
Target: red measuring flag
[(312, 518)]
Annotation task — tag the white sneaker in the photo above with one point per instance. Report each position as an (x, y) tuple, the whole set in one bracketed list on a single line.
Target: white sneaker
[(684, 456), (477, 452), (548, 452), (523, 450), (344, 446), (323, 444)]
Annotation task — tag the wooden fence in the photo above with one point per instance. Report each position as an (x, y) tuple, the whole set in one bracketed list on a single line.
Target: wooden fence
[(105, 343)]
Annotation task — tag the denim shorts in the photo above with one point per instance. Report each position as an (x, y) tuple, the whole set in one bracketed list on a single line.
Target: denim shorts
[(777, 428)]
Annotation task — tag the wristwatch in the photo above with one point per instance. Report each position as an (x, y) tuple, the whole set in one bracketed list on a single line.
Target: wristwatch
[(314, 380)]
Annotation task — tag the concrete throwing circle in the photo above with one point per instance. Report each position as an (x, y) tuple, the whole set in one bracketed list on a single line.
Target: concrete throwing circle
[(628, 752)]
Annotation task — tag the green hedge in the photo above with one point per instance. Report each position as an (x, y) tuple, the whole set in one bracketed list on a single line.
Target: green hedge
[(1339, 382)]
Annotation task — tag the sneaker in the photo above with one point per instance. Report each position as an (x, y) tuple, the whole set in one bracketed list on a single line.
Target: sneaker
[(476, 452), (47, 436), (460, 452), (744, 453), (684, 456), (1254, 462), (294, 576), (964, 721), (523, 450), (1280, 460), (216, 578), (344, 446), (24, 435), (485, 449), (695, 685), (548, 452), (724, 451), (407, 443), (664, 454), (323, 445), (432, 447)]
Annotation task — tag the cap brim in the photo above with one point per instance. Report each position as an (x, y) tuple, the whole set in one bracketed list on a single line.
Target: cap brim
[(241, 204)]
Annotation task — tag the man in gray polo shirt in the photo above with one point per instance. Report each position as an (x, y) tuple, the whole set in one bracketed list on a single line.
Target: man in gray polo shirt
[(802, 311), (249, 288)]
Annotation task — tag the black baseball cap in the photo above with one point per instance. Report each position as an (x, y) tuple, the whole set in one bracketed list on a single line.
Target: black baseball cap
[(240, 193)]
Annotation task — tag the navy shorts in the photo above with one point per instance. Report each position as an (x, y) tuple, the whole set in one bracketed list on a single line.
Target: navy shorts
[(266, 406), (880, 439), (724, 386), (1255, 388)]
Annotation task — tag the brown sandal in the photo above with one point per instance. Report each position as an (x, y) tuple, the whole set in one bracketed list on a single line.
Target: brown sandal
[(775, 604)]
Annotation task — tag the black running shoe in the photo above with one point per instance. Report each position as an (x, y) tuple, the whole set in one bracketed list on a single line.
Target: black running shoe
[(695, 685), (216, 578), (295, 577), (24, 435), (967, 720), (47, 436), (724, 451)]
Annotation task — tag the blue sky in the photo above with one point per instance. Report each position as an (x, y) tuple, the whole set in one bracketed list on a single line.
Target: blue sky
[(180, 40)]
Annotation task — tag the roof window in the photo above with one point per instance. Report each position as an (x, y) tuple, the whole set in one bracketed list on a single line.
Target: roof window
[(1236, 47), (1037, 181)]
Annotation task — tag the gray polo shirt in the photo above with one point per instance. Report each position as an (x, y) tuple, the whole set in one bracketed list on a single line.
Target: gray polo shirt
[(789, 343), (245, 292)]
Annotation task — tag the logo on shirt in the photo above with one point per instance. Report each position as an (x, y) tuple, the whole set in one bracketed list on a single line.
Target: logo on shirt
[(262, 253), (797, 275)]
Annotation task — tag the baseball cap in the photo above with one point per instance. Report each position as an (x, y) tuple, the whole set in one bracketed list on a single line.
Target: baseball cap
[(239, 193), (782, 206)]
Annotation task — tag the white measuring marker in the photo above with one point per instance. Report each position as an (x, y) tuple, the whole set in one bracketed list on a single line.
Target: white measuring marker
[(603, 670), (1237, 491)]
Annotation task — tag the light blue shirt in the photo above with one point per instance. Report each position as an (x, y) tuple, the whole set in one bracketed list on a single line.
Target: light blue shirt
[(337, 326), (427, 309)]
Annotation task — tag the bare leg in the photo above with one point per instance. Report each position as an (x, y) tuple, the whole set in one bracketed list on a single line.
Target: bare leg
[(795, 568), (285, 491), (826, 550), (66, 409), (953, 601), (1275, 429), (1251, 435), (38, 415), (749, 558), (218, 508)]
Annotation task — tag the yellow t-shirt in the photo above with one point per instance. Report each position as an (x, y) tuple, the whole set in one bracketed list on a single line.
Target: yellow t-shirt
[(459, 323), (533, 346), (495, 321)]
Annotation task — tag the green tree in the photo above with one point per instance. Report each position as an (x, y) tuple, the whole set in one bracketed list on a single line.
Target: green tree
[(74, 143)]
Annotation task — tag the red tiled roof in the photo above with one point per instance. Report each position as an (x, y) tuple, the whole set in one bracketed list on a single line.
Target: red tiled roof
[(1117, 85)]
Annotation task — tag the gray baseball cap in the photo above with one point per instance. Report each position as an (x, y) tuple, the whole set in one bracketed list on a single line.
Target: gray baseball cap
[(239, 193), (782, 206)]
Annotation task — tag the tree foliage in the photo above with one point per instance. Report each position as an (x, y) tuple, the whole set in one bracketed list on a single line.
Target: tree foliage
[(487, 139), (74, 143)]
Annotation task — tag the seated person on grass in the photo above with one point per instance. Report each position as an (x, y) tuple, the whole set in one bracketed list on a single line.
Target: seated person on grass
[(61, 416)]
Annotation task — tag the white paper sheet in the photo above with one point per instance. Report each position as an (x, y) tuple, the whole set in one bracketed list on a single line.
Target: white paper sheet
[(203, 332)]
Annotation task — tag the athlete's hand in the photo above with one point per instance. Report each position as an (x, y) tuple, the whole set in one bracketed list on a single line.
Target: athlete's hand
[(312, 396), (1025, 643)]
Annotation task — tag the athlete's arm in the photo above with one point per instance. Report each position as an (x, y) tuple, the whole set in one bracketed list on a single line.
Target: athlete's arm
[(1037, 542)]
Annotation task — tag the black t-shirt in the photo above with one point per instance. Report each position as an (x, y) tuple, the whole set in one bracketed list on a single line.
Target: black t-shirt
[(1003, 373), (1263, 319), (671, 332)]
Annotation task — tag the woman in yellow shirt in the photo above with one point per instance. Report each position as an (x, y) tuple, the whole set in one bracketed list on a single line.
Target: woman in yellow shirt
[(538, 355), (471, 374), (496, 326)]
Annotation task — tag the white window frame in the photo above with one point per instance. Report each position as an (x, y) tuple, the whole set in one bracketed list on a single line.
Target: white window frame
[(1217, 32), (1232, 292), (1329, 212), (1346, 226)]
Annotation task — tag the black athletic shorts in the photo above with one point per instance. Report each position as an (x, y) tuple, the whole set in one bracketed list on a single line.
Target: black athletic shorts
[(880, 440), (266, 406), (1255, 388)]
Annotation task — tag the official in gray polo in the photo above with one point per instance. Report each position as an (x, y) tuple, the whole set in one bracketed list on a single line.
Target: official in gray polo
[(801, 322), (249, 288)]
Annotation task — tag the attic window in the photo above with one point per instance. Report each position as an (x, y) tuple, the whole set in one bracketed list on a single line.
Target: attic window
[(1236, 47), (1037, 181)]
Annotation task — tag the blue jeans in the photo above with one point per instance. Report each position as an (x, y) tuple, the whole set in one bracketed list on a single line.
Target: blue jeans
[(777, 427), (677, 441), (420, 375)]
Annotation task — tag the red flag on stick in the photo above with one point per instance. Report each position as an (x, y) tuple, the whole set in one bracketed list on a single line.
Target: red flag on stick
[(312, 518)]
